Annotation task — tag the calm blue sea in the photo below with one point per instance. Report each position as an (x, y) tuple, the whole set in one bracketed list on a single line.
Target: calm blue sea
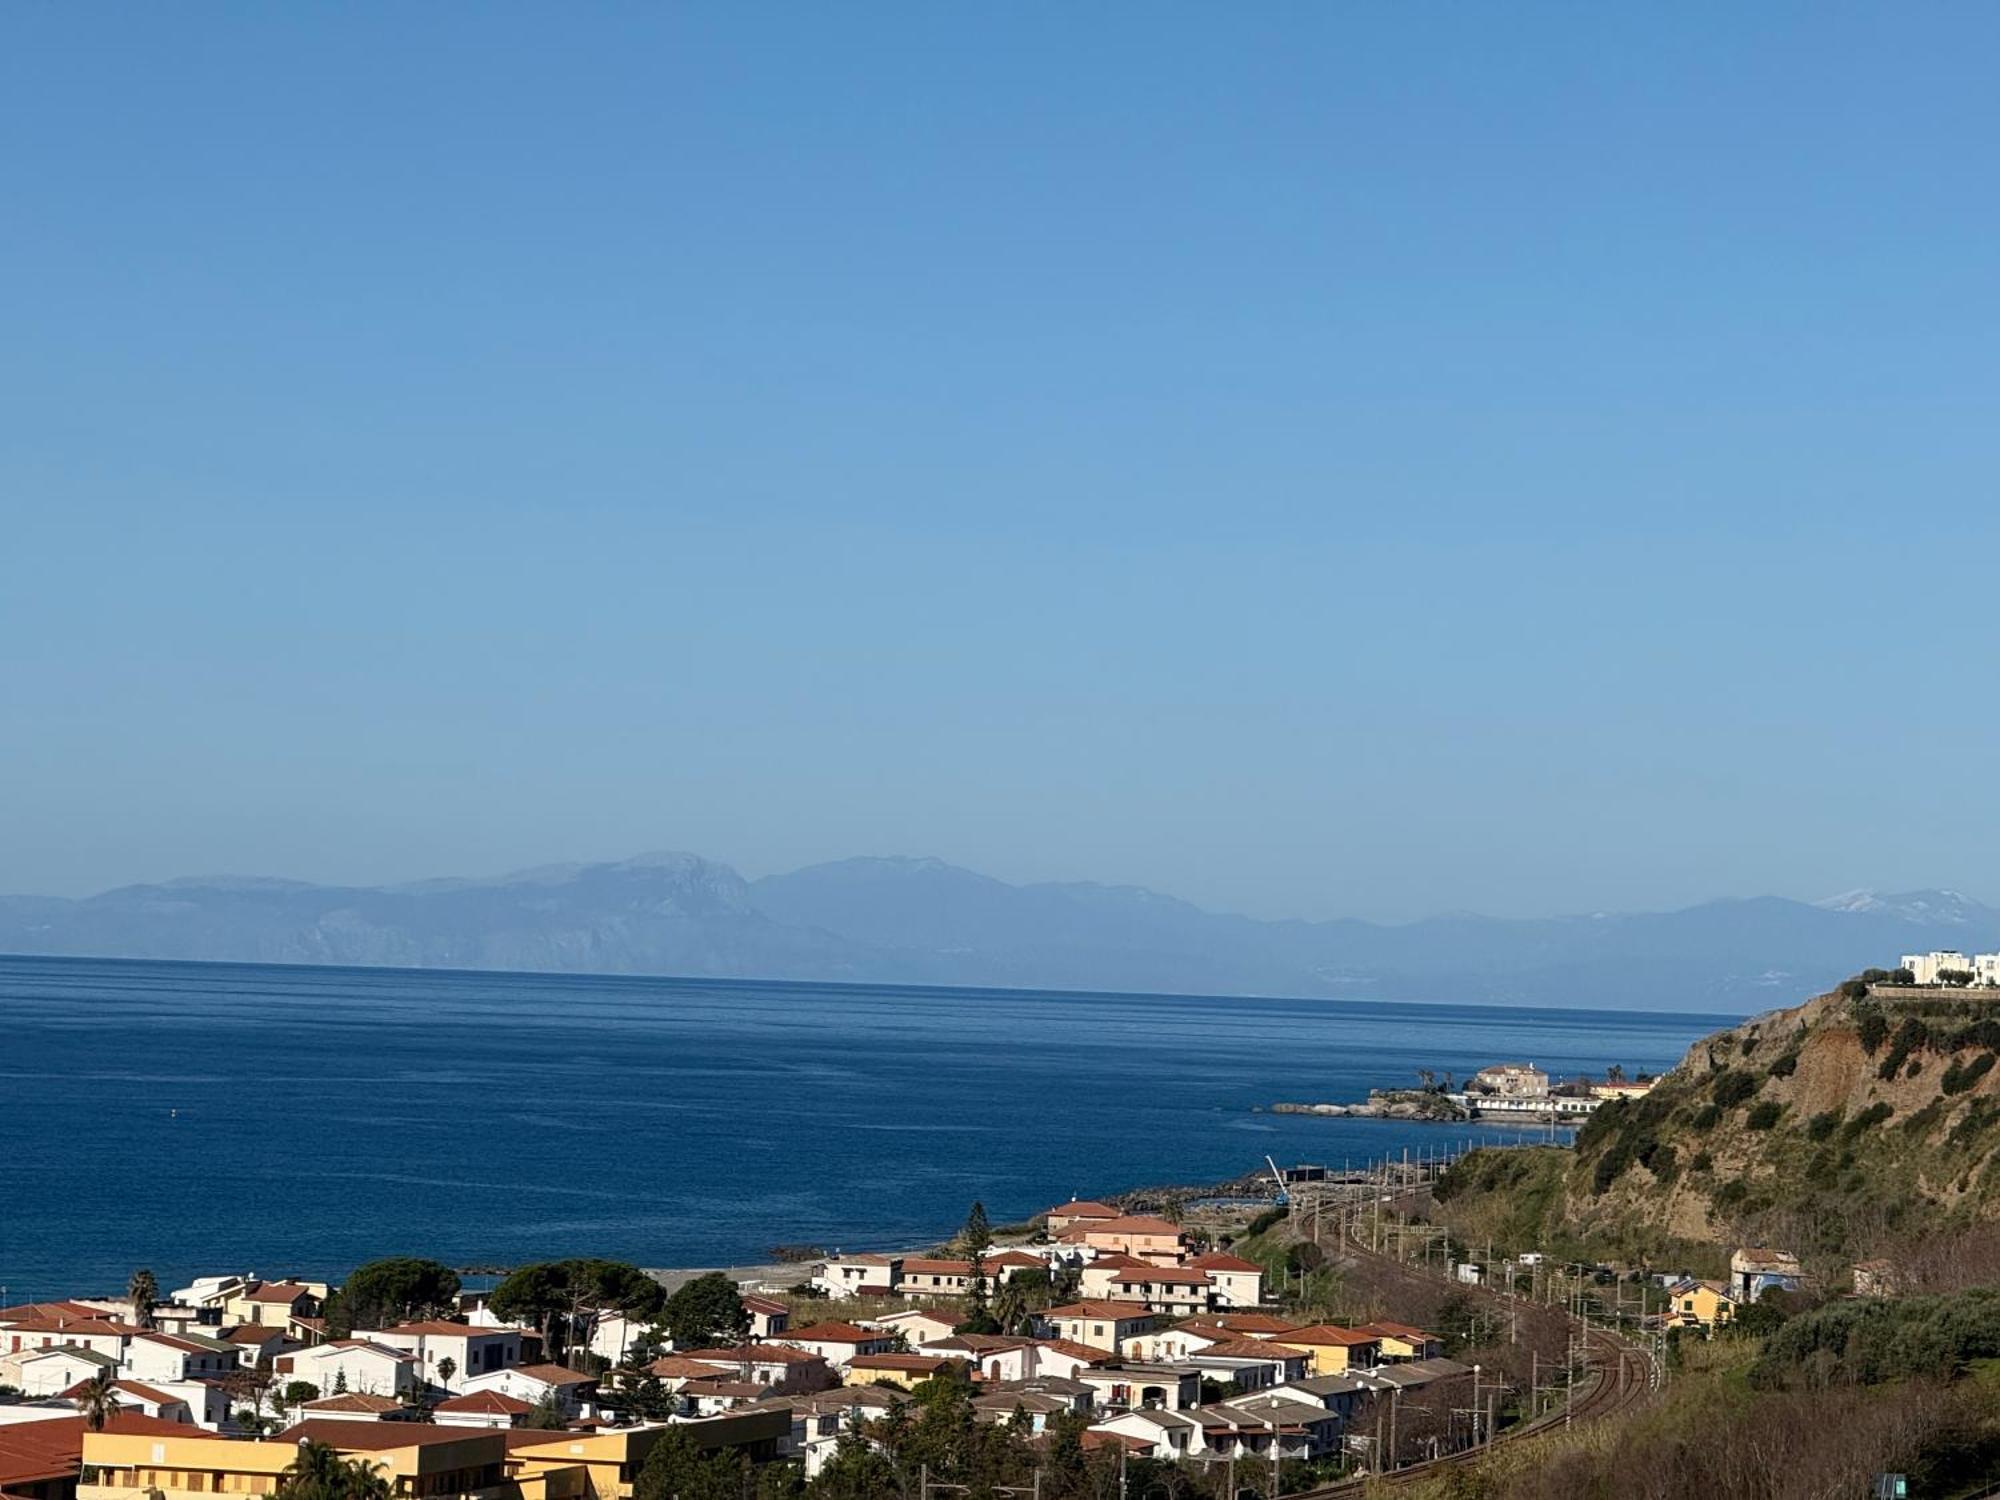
[(215, 1117)]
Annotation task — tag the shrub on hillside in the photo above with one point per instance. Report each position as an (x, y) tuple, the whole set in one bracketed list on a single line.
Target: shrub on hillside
[(1869, 1118), (1785, 1066), (1823, 1124), (1732, 1088), (1960, 1077), (1705, 1118), (1763, 1114), (1873, 1031)]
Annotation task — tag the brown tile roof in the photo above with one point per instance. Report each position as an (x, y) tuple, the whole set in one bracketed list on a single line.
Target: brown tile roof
[(1013, 1258), (1327, 1333), (679, 1366), (555, 1375), (1075, 1350), (1135, 1224), (1250, 1349), (277, 1291), (1165, 1276), (928, 1364), (441, 1328), (1401, 1331), (1101, 1309), (491, 1403), (351, 1401), (36, 1311), (130, 1387), (34, 1452), (835, 1333), (364, 1437), (1084, 1208), (756, 1354), (766, 1305), (1217, 1260), (937, 1267), (717, 1386)]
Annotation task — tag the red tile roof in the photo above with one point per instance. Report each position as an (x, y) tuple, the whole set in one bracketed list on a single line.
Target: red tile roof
[(1136, 1224), (1327, 1333), (130, 1387), (352, 1401), (926, 1364), (756, 1354), (835, 1333), (937, 1267), (490, 1403), (350, 1436), (1083, 1208), (277, 1291), (1103, 1309), (1217, 1260), (554, 1375), (31, 1452)]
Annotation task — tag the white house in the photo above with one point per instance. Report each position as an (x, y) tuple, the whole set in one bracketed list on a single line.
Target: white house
[(858, 1275), (768, 1317), (570, 1390), (148, 1401), (154, 1357), (917, 1324), (996, 1356), (837, 1343), (778, 1367), (351, 1364), (1236, 1282), (481, 1409), (1172, 1434), (472, 1351), (50, 1372), (1512, 1081)]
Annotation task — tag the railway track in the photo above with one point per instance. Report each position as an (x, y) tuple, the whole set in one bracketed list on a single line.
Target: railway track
[(1621, 1375)]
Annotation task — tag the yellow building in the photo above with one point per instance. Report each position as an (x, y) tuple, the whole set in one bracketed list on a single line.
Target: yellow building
[(609, 1461), (416, 1459), (1332, 1349), (1706, 1305), (906, 1370)]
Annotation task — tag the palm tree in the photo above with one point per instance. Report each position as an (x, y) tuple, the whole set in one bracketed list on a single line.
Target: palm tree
[(316, 1473), (447, 1367), (97, 1399), (144, 1292)]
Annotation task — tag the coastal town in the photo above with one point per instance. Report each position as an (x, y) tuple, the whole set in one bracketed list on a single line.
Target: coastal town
[(1108, 1337)]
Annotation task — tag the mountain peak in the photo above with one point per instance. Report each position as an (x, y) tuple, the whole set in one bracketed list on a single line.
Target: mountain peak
[(1933, 908)]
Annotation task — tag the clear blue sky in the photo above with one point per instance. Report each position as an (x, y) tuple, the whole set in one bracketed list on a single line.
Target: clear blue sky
[(1313, 459)]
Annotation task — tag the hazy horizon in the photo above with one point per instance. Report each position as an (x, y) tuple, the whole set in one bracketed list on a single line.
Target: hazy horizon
[(751, 872), (1356, 461)]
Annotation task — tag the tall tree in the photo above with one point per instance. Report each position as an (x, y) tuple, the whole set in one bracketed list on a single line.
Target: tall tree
[(705, 1312), (396, 1289), (317, 1472), (143, 1291), (98, 1400), (565, 1298), (977, 1238), (447, 1367), (678, 1469)]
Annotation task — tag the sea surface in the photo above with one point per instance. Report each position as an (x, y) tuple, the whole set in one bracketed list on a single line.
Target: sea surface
[(201, 1118)]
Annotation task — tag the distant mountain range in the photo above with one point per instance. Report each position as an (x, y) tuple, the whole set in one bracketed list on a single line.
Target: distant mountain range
[(920, 921)]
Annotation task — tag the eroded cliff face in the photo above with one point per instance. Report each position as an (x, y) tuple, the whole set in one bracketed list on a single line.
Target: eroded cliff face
[(1837, 1127)]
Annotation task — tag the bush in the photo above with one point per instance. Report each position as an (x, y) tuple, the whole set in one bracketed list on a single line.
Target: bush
[(1958, 1078), (1763, 1114), (1270, 1218), (1731, 1193), (1869, 1118), (1873, 1031), (1732, 1088), (1785, 1066), (1705, 1118), (1823, 1124), (1702, 1162)]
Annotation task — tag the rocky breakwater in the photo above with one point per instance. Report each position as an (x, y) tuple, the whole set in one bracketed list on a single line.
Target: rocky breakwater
[(1386, 1104)]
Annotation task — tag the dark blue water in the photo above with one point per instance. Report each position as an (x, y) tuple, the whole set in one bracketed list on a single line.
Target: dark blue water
[(209, 1117)]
